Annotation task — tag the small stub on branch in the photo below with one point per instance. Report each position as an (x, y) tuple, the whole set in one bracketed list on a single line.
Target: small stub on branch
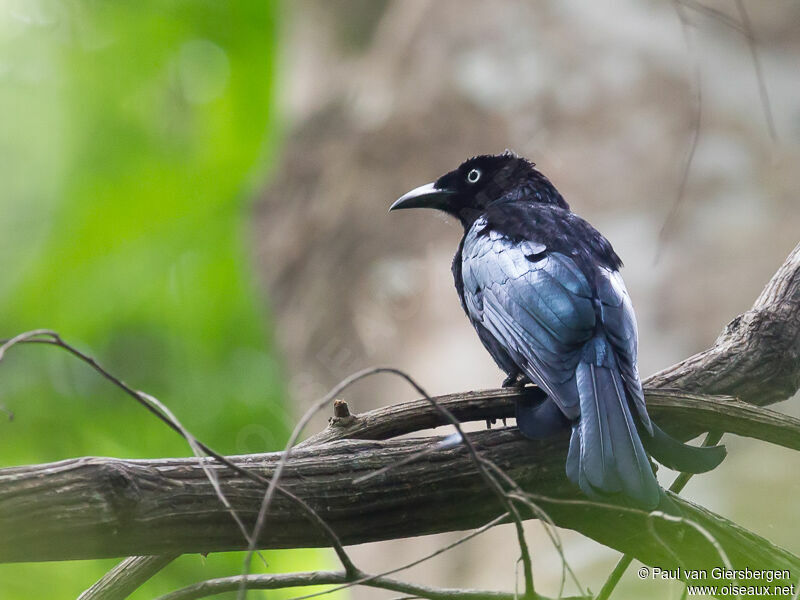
[(341, 415), (340, 409)]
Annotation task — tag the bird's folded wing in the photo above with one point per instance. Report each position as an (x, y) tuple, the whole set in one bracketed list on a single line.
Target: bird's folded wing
[(539, 306), (619, 323)]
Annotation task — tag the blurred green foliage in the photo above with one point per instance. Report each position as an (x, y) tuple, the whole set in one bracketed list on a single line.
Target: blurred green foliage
[(132, 136)]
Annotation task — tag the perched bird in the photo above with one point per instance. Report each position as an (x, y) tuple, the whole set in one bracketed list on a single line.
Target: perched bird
[(542, 288)]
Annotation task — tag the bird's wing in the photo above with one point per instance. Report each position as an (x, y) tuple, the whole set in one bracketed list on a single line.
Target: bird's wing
[(538, 304), (578, 342), (619, 324)]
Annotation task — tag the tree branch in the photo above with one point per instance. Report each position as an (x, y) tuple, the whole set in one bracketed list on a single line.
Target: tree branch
[(757, 356), (96, 507), (121, 581), (680, 410), (90, 508), (271, 582)]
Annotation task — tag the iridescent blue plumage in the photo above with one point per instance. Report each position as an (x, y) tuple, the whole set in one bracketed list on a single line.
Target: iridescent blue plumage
[(542, 288)]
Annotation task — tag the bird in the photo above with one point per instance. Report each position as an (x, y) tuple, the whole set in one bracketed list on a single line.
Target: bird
[(543, 290)]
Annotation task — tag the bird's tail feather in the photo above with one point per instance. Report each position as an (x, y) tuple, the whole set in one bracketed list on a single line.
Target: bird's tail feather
[(606, 455), (679, 456), (540, 420)]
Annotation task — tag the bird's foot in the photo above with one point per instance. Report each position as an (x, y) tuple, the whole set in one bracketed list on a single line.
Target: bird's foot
[(518, 380)]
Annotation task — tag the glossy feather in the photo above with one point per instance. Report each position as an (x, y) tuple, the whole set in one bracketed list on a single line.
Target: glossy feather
[(542, 288)]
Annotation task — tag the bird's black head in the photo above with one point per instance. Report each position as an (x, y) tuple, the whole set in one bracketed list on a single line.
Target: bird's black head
[(480, 182)]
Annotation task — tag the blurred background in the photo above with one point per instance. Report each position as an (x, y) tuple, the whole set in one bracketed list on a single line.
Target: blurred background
[(196, 192)]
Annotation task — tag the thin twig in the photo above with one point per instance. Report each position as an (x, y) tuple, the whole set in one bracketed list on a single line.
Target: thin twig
[(549, 526), (696, 123), (152, 403), (448, 416), (762, 86), (437, 446), (715, 14), (45, 336), (276, 475), (651, 518), (366, 578), (212, 587), (488, 478), (657, 514)]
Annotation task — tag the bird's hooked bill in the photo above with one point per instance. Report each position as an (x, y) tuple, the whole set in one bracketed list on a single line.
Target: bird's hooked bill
[(425, 196)]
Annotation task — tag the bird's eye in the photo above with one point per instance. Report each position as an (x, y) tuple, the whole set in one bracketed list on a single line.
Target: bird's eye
[(473, 176)]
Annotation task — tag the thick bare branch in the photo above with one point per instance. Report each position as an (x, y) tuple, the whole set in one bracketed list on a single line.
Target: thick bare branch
[(94, 507), (757, 356), (682, 411), (89, 508)]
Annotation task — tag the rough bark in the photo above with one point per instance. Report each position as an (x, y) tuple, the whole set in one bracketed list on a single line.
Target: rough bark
[(121, 581), (681, 412), (757, 356), (95, 507)]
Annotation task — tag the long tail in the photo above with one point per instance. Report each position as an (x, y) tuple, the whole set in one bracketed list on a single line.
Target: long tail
[(678, 456), (606, 456)]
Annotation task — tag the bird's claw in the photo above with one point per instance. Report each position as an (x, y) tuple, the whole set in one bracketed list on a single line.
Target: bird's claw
[(518, 381)]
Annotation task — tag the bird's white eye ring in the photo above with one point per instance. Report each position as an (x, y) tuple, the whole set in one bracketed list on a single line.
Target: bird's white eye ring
[(473, 176)]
